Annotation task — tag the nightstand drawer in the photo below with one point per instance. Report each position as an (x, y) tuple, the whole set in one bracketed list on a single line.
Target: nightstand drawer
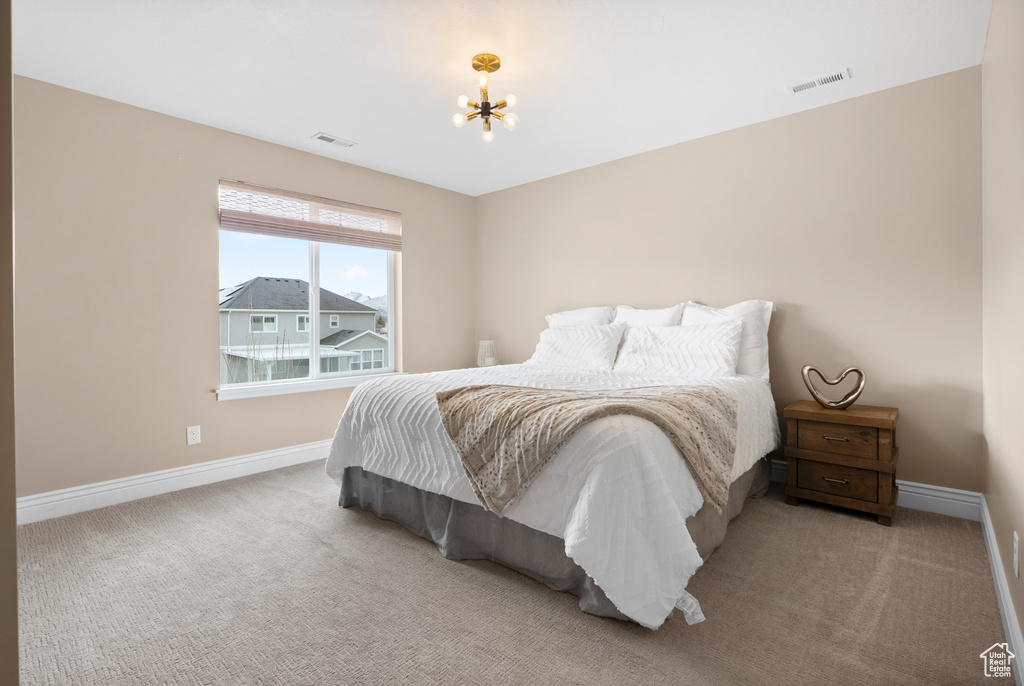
[(849, 482), (840, 439)]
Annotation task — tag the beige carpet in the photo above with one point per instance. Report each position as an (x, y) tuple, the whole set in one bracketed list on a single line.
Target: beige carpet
[(264, 580)]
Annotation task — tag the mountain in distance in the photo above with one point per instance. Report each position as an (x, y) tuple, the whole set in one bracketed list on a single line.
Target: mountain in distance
[(380, 303)]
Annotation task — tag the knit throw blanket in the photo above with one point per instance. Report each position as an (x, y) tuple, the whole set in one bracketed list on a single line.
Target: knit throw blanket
[(506, 434)]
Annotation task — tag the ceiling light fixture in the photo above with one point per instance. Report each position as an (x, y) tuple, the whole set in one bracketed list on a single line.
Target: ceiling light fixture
[(486, 63)]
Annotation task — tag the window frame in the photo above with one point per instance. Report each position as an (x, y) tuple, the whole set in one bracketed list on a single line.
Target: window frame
[(317, 380), (298, 323), (335, 322)]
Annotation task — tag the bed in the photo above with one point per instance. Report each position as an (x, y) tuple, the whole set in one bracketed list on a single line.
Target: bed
[(615, 517)]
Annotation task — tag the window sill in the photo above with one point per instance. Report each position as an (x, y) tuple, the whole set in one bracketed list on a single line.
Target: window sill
[(259, 390)]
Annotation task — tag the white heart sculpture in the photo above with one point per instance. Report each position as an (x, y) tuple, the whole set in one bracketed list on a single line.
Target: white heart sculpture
[(847, 400)]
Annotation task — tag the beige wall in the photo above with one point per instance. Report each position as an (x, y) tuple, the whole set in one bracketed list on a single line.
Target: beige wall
[(861, 220), (8, 546), (117, 225), (1003, 237)]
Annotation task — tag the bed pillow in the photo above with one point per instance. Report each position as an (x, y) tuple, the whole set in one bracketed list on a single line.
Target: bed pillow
[(703, 351), (631, 316), (587, 316), (589, 348), (755, 315)]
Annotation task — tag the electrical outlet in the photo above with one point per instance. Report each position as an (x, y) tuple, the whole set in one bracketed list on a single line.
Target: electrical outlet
[(192, 435), (1016, 554)]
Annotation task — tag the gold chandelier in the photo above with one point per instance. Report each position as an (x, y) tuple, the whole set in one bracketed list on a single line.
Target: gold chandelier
[(486, 63)]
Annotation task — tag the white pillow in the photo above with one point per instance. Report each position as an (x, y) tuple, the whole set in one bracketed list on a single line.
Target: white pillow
[(579, 347), (588, 316), (704, 351), (755, 315), (633, 317)]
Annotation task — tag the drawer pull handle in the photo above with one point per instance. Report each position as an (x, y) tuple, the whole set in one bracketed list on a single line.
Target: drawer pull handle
[(833, 438), (835, 481)]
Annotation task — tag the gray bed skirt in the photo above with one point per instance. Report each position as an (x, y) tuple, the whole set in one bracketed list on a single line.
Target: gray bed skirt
[(466, 531)]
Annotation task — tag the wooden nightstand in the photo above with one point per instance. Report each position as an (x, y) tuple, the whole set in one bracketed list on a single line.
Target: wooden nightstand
[(842, 457)]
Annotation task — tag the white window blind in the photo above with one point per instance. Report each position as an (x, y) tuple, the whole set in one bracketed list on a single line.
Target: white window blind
[(272, 212)]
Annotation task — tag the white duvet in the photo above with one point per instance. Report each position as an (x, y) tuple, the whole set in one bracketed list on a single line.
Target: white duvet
[(618, 493)]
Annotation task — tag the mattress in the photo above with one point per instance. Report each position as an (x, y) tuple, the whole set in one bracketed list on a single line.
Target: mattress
[(617, 493)]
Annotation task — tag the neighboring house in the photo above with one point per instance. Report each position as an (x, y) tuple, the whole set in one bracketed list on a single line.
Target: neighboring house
[(265, 327)]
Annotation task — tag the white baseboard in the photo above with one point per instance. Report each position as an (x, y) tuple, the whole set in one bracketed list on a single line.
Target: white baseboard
[(916, 496), (777, 473), (35, 508), (940, 500), (1006, 610)]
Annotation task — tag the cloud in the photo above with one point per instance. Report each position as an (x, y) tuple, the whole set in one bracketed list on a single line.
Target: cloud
[(357, 271)]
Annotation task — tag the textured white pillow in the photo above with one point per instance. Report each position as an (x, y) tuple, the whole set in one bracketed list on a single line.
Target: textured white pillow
[(755, 315), (579, 347), (588, 316), (703, 351), (633, 317)]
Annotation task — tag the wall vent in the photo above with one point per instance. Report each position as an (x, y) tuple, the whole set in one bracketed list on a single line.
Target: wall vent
[(328, 138), (843, 75)]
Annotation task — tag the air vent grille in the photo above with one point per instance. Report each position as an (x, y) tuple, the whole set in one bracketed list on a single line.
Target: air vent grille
[(843, 75), (328, 138)]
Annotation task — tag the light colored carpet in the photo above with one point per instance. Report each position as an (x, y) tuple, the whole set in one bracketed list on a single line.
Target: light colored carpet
[(264, 580)]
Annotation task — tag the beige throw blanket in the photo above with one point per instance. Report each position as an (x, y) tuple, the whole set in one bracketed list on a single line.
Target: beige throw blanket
[(506, 434)]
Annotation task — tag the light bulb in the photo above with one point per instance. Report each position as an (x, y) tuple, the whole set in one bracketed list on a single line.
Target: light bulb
[(459, 119), (511, 100), (510, 121), (483, 80), (463, 101), (488, 136)]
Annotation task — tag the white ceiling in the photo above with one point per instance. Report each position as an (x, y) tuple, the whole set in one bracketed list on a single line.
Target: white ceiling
[(597, 80)]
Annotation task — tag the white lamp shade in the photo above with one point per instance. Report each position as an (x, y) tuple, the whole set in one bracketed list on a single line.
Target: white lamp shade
[(485, 356)]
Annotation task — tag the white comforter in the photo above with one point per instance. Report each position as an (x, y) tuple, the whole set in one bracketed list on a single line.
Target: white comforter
[(617, 493)]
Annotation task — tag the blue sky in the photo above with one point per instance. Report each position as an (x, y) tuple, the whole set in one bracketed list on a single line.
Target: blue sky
[(343, 268)]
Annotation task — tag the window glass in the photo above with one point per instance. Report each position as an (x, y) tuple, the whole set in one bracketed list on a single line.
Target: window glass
[(354, 289), (266, 324), (264, 292)]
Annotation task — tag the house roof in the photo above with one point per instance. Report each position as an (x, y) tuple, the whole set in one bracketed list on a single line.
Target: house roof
[(274, 353), (338, 337), (345, 335), (271, 293)]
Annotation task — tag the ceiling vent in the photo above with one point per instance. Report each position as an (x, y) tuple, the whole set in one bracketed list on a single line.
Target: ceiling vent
[(843, 75), (328, 138)]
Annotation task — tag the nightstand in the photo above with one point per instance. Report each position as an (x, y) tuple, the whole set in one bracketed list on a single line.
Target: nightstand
[(842, 457)]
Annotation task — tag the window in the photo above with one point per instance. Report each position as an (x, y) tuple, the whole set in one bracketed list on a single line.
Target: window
[(263, 323), (367, 359), (328, 263), (333, 364)]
